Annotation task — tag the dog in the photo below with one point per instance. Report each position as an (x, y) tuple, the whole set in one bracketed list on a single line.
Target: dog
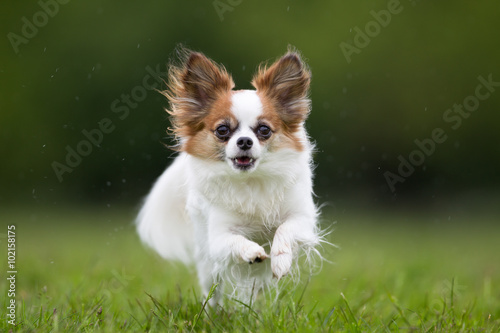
[(237, 201)]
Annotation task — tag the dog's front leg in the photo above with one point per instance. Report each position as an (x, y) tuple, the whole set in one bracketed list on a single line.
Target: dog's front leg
[(297, 230), (227, 241)]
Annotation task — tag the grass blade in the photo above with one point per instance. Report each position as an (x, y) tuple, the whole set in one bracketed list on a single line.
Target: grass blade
[(209, 296)]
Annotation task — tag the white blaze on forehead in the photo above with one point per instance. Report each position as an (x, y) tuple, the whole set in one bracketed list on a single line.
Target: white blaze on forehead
[(247, 107)]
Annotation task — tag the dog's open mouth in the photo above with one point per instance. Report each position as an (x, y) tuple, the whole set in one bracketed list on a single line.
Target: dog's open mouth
[(243, 162)]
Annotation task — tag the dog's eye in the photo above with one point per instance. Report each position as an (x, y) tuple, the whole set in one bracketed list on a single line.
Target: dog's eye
[(264, 132), (222, 132)]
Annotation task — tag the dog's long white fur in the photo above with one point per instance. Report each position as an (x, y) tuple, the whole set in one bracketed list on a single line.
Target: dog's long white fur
[(202, 211)]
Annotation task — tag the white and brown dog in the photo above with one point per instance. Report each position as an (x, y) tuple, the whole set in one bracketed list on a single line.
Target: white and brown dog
[(240, 191)]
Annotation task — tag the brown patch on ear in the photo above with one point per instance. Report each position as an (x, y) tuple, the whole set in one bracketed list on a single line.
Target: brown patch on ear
[(193, 88), (286, 84)]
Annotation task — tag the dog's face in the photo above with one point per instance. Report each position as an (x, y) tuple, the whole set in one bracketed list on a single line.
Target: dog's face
[(240, 127)]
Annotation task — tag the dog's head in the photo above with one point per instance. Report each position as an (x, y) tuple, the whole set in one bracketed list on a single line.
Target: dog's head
[(238, 127)]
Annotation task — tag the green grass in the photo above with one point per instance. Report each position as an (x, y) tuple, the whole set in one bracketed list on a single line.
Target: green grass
[(83, 270)]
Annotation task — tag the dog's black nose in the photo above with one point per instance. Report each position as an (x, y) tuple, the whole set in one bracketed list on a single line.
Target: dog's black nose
[(244, 143)]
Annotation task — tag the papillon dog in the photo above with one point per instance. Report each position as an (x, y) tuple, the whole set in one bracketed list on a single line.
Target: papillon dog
[(237, 201)]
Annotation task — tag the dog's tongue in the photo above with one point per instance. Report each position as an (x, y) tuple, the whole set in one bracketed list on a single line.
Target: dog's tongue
[(243, 160)]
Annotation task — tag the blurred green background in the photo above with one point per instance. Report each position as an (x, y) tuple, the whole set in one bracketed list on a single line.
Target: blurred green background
[(67, 65)]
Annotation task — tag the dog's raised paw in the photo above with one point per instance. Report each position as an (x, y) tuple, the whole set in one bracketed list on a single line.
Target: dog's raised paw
[(253, 253), (281, 264)]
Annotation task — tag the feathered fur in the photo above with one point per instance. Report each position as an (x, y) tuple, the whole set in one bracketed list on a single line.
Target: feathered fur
[(240, 191)]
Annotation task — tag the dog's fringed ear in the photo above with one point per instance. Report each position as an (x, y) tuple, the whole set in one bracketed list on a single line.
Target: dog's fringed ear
[(286, 83), (202, 78), (193, 86)]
